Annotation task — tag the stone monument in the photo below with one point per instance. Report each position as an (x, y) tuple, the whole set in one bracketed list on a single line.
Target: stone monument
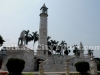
[(21, 52), (51, 63), (93, 66), (21, 40), (43, 49)]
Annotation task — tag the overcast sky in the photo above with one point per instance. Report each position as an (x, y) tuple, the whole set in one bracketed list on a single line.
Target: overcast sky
[(69, 20)]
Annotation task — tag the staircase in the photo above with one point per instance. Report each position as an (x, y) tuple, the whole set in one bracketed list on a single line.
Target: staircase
[(55, 65)]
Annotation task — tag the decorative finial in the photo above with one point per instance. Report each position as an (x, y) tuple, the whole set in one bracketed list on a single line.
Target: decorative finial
[(81, 45)]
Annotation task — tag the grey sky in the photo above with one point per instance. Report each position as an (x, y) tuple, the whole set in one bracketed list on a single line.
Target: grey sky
[(69, 20)]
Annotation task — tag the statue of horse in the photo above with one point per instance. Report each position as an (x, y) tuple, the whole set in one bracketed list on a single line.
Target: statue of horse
[(22, 39)]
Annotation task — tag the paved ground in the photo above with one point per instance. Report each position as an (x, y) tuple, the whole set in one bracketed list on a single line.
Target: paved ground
[(44, 72)]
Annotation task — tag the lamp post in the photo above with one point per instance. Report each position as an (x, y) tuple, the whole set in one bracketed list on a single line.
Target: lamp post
[(67, 72)]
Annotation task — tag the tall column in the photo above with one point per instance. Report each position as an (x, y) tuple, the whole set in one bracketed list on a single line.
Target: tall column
[(43, 31)]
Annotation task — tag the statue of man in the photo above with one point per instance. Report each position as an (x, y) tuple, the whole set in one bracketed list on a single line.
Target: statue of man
[(21, 38)]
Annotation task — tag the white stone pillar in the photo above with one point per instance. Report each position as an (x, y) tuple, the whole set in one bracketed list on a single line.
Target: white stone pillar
[(93, 67), (43, 29), (41, 70), (67, 71)]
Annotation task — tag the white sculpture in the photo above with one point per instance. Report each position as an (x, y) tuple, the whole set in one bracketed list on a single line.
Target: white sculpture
[(22, 38)]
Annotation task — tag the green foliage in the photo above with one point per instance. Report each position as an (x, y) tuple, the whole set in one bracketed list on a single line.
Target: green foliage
[(1, 40), (76, 51), (35, 36), (82, 67), (15, 66), (98, 66), (67, 51), (97, 60)]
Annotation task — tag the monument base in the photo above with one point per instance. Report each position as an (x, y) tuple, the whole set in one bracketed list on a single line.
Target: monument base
[(27, 56), (42, 53)]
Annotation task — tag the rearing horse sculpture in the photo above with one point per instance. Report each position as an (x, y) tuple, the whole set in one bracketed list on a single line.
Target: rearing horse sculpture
[(22, 39)]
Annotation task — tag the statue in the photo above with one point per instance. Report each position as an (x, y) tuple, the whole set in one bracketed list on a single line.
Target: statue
[(22, 39), (90, 52)]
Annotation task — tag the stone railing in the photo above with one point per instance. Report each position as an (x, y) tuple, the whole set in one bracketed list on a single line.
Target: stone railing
[(35, 53), (45, 63)]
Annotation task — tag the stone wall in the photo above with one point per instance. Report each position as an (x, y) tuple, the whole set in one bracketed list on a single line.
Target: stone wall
[(27, 56)]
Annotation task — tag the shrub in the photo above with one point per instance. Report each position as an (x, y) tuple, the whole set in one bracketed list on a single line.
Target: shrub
[(82, 67), (98, 66), (15, 66)]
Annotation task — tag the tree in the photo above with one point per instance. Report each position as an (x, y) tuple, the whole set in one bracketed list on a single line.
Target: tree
[(98, 66), (15, 66), (67, 51), (49, 44), (27, 36), (1, 41), (82, 67), (97, 60), (76, 51), (63, 45), (35, 36), (54, 44)]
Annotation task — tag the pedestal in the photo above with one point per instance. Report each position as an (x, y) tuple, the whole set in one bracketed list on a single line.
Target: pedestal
[(67, 68), (93, 67), (41, 70), (27, 56), (42, 53)]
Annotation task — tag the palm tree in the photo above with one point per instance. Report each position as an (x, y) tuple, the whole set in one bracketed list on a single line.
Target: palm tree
[(67, 51), (63, 44), (35, 36), (28, 37), (48, 41), (48, 38), (76, 51), (49, 44), (1, 41), (54, 44)]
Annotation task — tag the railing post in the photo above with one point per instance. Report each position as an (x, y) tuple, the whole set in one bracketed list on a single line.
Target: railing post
[(41, 70), (67, 71), (93, 66)]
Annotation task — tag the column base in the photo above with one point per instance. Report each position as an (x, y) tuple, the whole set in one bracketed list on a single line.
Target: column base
[(42, 53)]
